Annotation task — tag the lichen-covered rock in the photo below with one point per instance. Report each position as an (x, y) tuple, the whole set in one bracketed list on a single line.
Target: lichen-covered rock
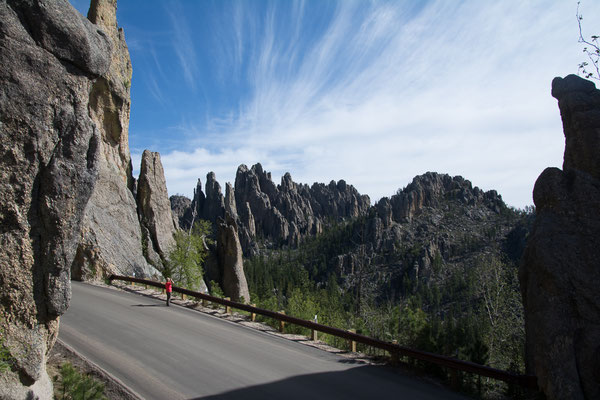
[(560, 270), (229, 256), (154, 207), (111, 229), (51, 59)]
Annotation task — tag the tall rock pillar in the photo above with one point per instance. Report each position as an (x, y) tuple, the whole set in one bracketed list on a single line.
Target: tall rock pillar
[(158, 223), (560, 271), (231, 264), (111, 239)]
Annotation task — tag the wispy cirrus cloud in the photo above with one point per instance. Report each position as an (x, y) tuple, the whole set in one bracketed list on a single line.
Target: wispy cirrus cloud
[(376, 93), (183, 42)]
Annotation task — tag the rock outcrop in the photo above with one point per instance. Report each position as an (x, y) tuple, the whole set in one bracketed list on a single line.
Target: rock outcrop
[(53, 61), (405, 239), (560, 271), (229, 258), (181, 208), (430, 189), (154, 207), (111, 239), (275, 214)]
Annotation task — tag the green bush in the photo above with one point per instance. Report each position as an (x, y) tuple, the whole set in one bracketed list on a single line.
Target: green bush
[(6, 358), (75, 386)]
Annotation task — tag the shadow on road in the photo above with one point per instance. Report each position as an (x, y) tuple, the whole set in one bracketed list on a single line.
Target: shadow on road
[(148, 305), (367, 382)]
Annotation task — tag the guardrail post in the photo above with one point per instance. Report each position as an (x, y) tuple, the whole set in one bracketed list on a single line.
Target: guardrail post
[(282, 323), (352, 343), (204, 303), (395, 356), (227, 308), (253, 315), (454, 379), (313, 335)]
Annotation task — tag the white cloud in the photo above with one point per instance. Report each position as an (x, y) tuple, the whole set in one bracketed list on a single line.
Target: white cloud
[(383, 96), (182, 43)]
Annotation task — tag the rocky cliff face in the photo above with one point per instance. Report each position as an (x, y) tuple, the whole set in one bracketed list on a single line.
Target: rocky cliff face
[(431, 190), (127, 228), (181, 208), (275, 214), (111, 239), (53, 60), (436, 227), (560, 271)]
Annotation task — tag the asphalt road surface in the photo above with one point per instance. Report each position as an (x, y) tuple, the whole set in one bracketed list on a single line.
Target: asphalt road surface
[(172, 352)]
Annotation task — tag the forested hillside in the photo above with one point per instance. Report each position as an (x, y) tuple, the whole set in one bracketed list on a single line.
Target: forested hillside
[(433, 267)]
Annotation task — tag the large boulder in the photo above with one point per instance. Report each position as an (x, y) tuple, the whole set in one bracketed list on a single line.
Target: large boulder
[(111, 239), (50, 144), (560, 271)]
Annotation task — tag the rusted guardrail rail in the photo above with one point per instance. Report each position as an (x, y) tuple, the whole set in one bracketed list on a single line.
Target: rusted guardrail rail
[(528, 381)]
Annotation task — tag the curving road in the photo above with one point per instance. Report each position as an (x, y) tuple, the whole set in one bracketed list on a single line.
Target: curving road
[(176, 353)]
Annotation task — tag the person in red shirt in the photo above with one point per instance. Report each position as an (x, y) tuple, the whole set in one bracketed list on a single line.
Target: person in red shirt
[(169, 289)]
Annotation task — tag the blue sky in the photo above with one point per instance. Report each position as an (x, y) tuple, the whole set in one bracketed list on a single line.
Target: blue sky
[(373, 92)]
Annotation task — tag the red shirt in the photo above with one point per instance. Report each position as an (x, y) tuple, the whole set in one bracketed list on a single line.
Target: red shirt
[(169, 286)]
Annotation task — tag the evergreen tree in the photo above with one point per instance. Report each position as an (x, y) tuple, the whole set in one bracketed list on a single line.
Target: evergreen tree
[(186, 258)]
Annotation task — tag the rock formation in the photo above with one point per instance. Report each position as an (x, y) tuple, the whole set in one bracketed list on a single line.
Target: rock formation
[(436, 220), (181, 207), (430, 189), (158, 223), (53, 61), (560, 271), (229, 258), (284, 213), (111, 240)]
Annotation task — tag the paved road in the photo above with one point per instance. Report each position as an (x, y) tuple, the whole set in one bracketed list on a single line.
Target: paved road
[(176, 353)]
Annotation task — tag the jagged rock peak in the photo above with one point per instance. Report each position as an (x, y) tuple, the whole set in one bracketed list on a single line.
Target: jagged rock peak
[(230, 206), (579, 103), (154, 207), (284, 213), (431, 189), (560, 273), (182, 210), (211, 205), (103, 13), (338, 200)]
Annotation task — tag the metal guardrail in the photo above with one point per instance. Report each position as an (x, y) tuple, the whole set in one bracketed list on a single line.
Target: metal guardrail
[(527, 381)]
